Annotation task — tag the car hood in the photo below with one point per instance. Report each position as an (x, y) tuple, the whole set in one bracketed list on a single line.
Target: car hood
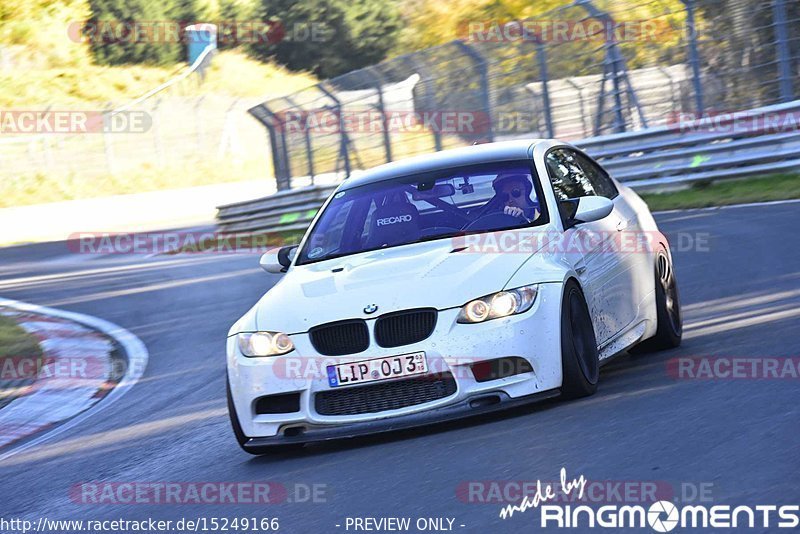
[(434, 274)]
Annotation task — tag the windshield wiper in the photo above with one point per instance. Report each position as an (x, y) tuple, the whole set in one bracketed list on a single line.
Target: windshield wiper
[(440, 236)]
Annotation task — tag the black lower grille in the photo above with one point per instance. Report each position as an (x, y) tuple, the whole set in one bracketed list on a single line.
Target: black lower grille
[(281, 403), (340, 338), (500, 368), (384, 396), (404, 327)]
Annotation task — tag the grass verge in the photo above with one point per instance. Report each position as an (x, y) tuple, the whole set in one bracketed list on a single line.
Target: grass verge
[(15, 344), (724, 193), (232, 73)]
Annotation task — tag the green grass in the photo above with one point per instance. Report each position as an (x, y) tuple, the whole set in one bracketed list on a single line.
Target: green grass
[(232, 73), (15, 342), (723, 193)]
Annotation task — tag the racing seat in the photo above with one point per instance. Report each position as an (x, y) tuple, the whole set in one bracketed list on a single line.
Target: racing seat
[(395, 222)]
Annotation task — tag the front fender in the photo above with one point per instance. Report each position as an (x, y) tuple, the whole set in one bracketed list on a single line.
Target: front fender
[(541, 269)]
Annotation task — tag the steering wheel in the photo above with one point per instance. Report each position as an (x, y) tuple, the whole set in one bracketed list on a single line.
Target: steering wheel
[(492, 221)]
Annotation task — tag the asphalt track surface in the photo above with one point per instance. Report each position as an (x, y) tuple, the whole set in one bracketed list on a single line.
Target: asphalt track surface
[(741, 297)]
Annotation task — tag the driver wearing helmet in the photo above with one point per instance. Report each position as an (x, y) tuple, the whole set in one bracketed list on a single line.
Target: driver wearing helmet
[(513, 196)]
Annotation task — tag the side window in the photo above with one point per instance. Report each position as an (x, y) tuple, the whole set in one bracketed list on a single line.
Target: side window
[(567, 175), (601, 183)]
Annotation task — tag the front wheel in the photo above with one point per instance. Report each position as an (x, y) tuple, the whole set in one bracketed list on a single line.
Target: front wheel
[(580, 362), (669, 331)]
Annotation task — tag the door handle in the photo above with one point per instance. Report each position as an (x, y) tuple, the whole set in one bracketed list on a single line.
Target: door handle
[(621, 225)]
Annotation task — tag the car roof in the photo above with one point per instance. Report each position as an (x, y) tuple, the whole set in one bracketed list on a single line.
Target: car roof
[(456, 157)]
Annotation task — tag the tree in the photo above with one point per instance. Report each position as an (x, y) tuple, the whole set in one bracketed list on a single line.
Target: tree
[(329, 37), (112, 32)]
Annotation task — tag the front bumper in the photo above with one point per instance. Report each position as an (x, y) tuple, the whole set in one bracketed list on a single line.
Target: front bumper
[(452, 348), (478, 405)]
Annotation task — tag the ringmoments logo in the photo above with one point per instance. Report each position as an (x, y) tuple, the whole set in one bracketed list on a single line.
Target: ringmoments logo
[(660, 516)]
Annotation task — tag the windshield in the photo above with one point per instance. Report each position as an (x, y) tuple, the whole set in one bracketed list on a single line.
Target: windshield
[(411, 209)]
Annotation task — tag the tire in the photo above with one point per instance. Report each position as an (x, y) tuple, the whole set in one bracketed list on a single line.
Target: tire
[(241, 438), (580, 363), (669, 319)]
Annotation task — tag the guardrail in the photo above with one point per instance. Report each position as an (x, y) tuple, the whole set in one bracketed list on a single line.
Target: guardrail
[(659, 157)]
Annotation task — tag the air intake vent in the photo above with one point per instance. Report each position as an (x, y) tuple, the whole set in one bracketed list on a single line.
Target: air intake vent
[(340, 338), (405, 327), (500, 368), (281, 403), (385, 395)]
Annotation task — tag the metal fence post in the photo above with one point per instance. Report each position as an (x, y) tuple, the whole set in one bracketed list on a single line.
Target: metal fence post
[(427, 98), (387, 139), (694, 56), (307, 135), (284, 153), (483, 70), (277, 144), (782, 50), (343, 138), (541, 55), (619, 119)]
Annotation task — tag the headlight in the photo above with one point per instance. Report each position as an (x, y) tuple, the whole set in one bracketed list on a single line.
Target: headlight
[(264, 343), (498, 305)]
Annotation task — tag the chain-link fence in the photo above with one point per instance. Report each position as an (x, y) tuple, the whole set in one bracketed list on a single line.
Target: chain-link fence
[(586, 69), (167, 138)]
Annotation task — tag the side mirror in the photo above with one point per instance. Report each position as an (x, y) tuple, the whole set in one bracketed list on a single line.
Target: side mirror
[(278, 260), (588, 209)]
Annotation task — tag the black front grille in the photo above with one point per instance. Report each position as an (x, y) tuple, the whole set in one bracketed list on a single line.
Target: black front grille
[(405, 327), (384, 395), (340, 338)]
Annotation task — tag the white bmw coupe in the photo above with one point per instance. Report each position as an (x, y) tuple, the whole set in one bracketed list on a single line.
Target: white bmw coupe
[(447, 285)]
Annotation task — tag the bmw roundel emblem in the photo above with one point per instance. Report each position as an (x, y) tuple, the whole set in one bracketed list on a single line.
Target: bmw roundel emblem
[(371, 308)]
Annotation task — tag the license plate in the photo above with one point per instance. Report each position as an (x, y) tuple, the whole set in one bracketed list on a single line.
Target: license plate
[(345, 374)]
